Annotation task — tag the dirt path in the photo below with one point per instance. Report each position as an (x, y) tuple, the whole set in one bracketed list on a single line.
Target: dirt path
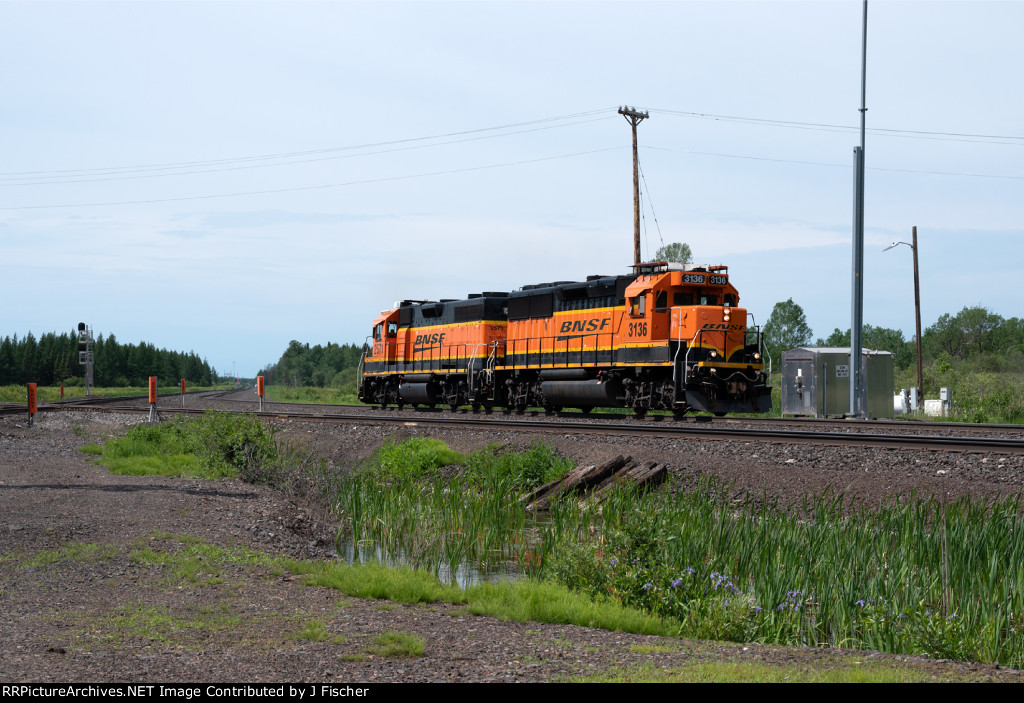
[(109, 578)]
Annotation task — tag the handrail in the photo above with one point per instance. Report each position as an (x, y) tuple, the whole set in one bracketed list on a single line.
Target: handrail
[(686, 361)]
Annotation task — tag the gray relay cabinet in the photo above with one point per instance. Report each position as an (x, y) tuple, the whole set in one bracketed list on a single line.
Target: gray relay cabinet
[(816, 381)]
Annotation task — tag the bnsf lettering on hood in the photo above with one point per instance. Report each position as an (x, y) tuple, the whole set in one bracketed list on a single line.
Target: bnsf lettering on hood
[(435, 338), (593, 325)]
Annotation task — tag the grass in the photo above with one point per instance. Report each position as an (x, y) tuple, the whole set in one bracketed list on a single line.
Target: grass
[(188, 626), (840, 671), (311, 394), (316, 631), (211, 446), (398, 645), (51, 394), (404, 501), (916, 576), (520, 601)]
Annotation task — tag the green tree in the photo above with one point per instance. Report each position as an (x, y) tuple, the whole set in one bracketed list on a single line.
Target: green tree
[(676, 252), (879, 338), (971, 331), (786, 328)]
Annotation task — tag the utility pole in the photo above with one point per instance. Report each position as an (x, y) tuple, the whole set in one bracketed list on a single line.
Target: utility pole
[(634, 117), (917, 316)]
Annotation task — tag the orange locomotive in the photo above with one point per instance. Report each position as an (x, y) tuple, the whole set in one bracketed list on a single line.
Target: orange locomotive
[(665, 337)]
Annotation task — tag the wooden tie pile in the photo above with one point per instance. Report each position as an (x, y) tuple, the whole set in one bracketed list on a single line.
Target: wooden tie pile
[(596, 481)]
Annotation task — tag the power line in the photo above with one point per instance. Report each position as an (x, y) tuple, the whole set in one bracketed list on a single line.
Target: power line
[(831, 164), (906, 133), (314, 187), (292, 163), (109, 170)]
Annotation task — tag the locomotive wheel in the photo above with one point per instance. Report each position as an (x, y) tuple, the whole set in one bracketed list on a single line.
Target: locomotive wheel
[(586, 410), (720, 414)]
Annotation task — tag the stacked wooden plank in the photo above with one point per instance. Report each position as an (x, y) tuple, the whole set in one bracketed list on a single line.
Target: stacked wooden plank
[(599, 480)]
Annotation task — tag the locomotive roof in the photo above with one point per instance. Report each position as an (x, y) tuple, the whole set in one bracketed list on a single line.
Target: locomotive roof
[(596, 281)]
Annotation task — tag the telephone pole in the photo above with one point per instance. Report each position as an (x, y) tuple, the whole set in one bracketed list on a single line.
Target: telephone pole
[(634, 117)]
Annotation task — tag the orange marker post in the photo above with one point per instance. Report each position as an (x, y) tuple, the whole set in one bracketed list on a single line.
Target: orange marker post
[(259, 390), (153, 415), (31, 403)]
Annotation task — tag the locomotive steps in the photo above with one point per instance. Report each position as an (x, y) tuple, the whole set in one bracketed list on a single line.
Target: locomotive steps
[(596, 481)]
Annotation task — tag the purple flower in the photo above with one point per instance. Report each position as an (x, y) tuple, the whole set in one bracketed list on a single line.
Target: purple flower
[(648, 586), (676, 582)]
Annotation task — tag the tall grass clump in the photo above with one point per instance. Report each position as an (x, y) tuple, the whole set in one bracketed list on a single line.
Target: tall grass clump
[(402, 503), (213, 445), (914, 576)]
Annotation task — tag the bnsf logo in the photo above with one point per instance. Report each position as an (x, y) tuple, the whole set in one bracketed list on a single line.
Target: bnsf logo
[(730, 328), (594, 325), (435, 338)]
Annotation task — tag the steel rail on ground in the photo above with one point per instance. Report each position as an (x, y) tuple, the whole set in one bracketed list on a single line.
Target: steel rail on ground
[(672, 431)]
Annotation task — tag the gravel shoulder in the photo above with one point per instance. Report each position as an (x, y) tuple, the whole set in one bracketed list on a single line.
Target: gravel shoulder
[(80, 600)]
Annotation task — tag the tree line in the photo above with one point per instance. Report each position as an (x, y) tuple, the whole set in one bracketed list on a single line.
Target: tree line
[(975, 335), (52, 359), (332, 366)]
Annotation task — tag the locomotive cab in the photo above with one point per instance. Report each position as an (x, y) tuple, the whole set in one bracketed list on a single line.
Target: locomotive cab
[(381, 361), (716, 359)]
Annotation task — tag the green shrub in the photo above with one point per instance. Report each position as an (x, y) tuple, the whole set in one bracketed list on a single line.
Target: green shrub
[(213, 445)]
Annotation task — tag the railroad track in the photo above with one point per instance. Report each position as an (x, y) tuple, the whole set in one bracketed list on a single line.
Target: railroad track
[(738, 430), (838, 425)]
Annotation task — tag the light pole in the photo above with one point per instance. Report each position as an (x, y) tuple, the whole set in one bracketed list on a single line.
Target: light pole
[(917, 313)]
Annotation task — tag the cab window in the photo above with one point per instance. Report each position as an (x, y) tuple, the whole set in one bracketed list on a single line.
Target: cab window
[(638, 305), (708, 299), (661, 300), (377, 332), (682, 298), (392, 329)]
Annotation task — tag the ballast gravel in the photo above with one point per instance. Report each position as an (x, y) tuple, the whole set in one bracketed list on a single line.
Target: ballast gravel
[(81, 602)]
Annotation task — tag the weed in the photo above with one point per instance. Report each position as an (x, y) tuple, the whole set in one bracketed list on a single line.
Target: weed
[(214, 445), (398, 645), (316, 631)]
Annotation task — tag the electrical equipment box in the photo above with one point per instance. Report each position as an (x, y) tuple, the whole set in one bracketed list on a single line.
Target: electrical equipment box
[(816, 382)]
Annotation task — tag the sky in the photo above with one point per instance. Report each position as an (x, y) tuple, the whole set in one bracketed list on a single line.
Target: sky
[(224, 177)]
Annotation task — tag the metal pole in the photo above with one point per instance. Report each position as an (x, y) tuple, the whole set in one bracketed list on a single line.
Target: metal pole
[(917, 311), (858, 395), (857, 295)]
